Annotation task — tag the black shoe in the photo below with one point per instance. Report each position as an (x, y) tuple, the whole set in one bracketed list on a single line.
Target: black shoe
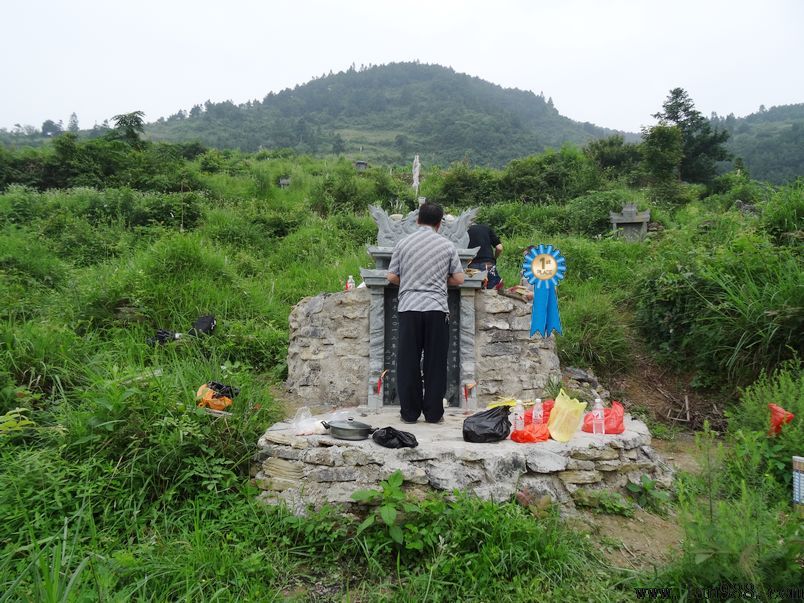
[(441, 420), (409, 422)]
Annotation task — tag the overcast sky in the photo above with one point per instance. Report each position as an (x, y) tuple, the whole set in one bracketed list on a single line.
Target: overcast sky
[(608, 62)]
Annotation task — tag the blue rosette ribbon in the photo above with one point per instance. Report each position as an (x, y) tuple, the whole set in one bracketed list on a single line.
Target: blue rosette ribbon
[(544, 267)]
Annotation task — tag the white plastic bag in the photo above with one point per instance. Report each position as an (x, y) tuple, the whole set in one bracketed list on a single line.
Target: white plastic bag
[(304, 424)]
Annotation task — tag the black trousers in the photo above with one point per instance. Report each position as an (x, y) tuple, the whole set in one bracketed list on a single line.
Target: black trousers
[(426, 332)]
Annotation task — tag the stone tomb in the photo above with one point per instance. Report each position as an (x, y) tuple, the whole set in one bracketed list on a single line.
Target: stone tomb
[(342, 348), (631, 224), (311, 471), (342, 343)]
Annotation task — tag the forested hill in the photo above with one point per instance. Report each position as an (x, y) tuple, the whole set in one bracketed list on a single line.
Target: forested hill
[(770, 142), (386, 113)]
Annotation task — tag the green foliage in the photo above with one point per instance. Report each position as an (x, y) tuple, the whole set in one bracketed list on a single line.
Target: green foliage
[(756, 455), (604, 501), (552, 177), (616, 159), (589, 214), (382, 114), (662, 153), (722, 298), (746, 537), (463, 187), (783, 214), (648, 496), (594, 331), (769, 142), (14, 422), (155, 490), (702, 147)]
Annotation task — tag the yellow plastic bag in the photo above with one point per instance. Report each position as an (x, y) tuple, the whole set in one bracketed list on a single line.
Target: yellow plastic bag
[(565, 418)]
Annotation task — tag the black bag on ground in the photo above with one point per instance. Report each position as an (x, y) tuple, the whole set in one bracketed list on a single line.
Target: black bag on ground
[(204, 325), (162, 337), (222, 390), (393, 438), (488, 426)]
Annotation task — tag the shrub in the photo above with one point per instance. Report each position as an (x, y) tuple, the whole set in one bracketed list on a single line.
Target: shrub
[(589, 214), (594, 330), (552, 177), (755, 454), (783, 214)]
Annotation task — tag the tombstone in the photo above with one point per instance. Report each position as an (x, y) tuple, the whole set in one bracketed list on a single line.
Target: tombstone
[(361, 166), (630, 223), (384, 320), (284, 182)]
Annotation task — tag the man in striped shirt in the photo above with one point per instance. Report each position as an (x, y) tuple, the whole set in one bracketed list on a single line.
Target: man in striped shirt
[(423, 264)]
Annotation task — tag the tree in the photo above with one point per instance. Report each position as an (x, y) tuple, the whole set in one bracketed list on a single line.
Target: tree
[(129, 126), (613, 155), (338, 145), (51, 128), (662, 151), (72, 124), (702, 147)]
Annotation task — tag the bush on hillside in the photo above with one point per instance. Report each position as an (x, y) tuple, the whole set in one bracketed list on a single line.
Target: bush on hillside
[(552, 177), (783, 215), (730, 312)]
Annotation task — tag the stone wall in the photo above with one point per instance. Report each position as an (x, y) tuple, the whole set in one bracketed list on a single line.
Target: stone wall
[(508, 361), (328, 354), (311, 471)]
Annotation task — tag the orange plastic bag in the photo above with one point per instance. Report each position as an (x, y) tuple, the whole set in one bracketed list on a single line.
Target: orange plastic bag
[(612, 419), (779, 416), (207, 397), (547, 406), (532, 433)]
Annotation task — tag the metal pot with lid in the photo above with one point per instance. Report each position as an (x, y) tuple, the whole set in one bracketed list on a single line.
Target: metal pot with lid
[(348, 429)]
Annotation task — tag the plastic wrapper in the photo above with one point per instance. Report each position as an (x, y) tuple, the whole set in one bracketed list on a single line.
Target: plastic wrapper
[(390, 437), (565, 417), (613, 419), (490, 425), (533, 432), (304, 424), (208, 397), (778, 417), (547, 406)]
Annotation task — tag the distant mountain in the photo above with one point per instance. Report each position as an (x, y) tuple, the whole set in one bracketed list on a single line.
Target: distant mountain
[(387, 113), (770, 142)]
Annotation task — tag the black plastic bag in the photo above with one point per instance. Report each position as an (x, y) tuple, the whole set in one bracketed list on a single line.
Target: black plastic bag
[(488, 426), (222, 390), (162, 337), (204, 325), (393, 438)]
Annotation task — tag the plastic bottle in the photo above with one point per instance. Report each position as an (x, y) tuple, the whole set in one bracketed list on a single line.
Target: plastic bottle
[(598, 418), (350, 283), (538, 411), (519, 416)]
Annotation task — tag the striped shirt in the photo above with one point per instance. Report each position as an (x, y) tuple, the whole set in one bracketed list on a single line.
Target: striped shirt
[(423, 260)]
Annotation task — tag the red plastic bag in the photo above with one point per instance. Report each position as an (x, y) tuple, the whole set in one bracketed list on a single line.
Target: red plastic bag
[(612, 419), (532, 433), (547, 406), (779, 416)]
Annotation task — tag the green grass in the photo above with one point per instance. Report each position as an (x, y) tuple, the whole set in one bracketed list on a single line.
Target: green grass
[(119, 488)]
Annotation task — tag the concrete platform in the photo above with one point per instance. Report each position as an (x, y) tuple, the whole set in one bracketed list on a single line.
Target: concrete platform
[(311, 471)]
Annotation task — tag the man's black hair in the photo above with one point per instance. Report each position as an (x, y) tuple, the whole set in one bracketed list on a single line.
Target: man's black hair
[(430, 214)]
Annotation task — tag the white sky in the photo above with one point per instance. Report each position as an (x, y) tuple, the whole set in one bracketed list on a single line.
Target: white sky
[(608, 62)]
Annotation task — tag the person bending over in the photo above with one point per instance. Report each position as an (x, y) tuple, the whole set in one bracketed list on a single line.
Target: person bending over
[(484, 237)]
